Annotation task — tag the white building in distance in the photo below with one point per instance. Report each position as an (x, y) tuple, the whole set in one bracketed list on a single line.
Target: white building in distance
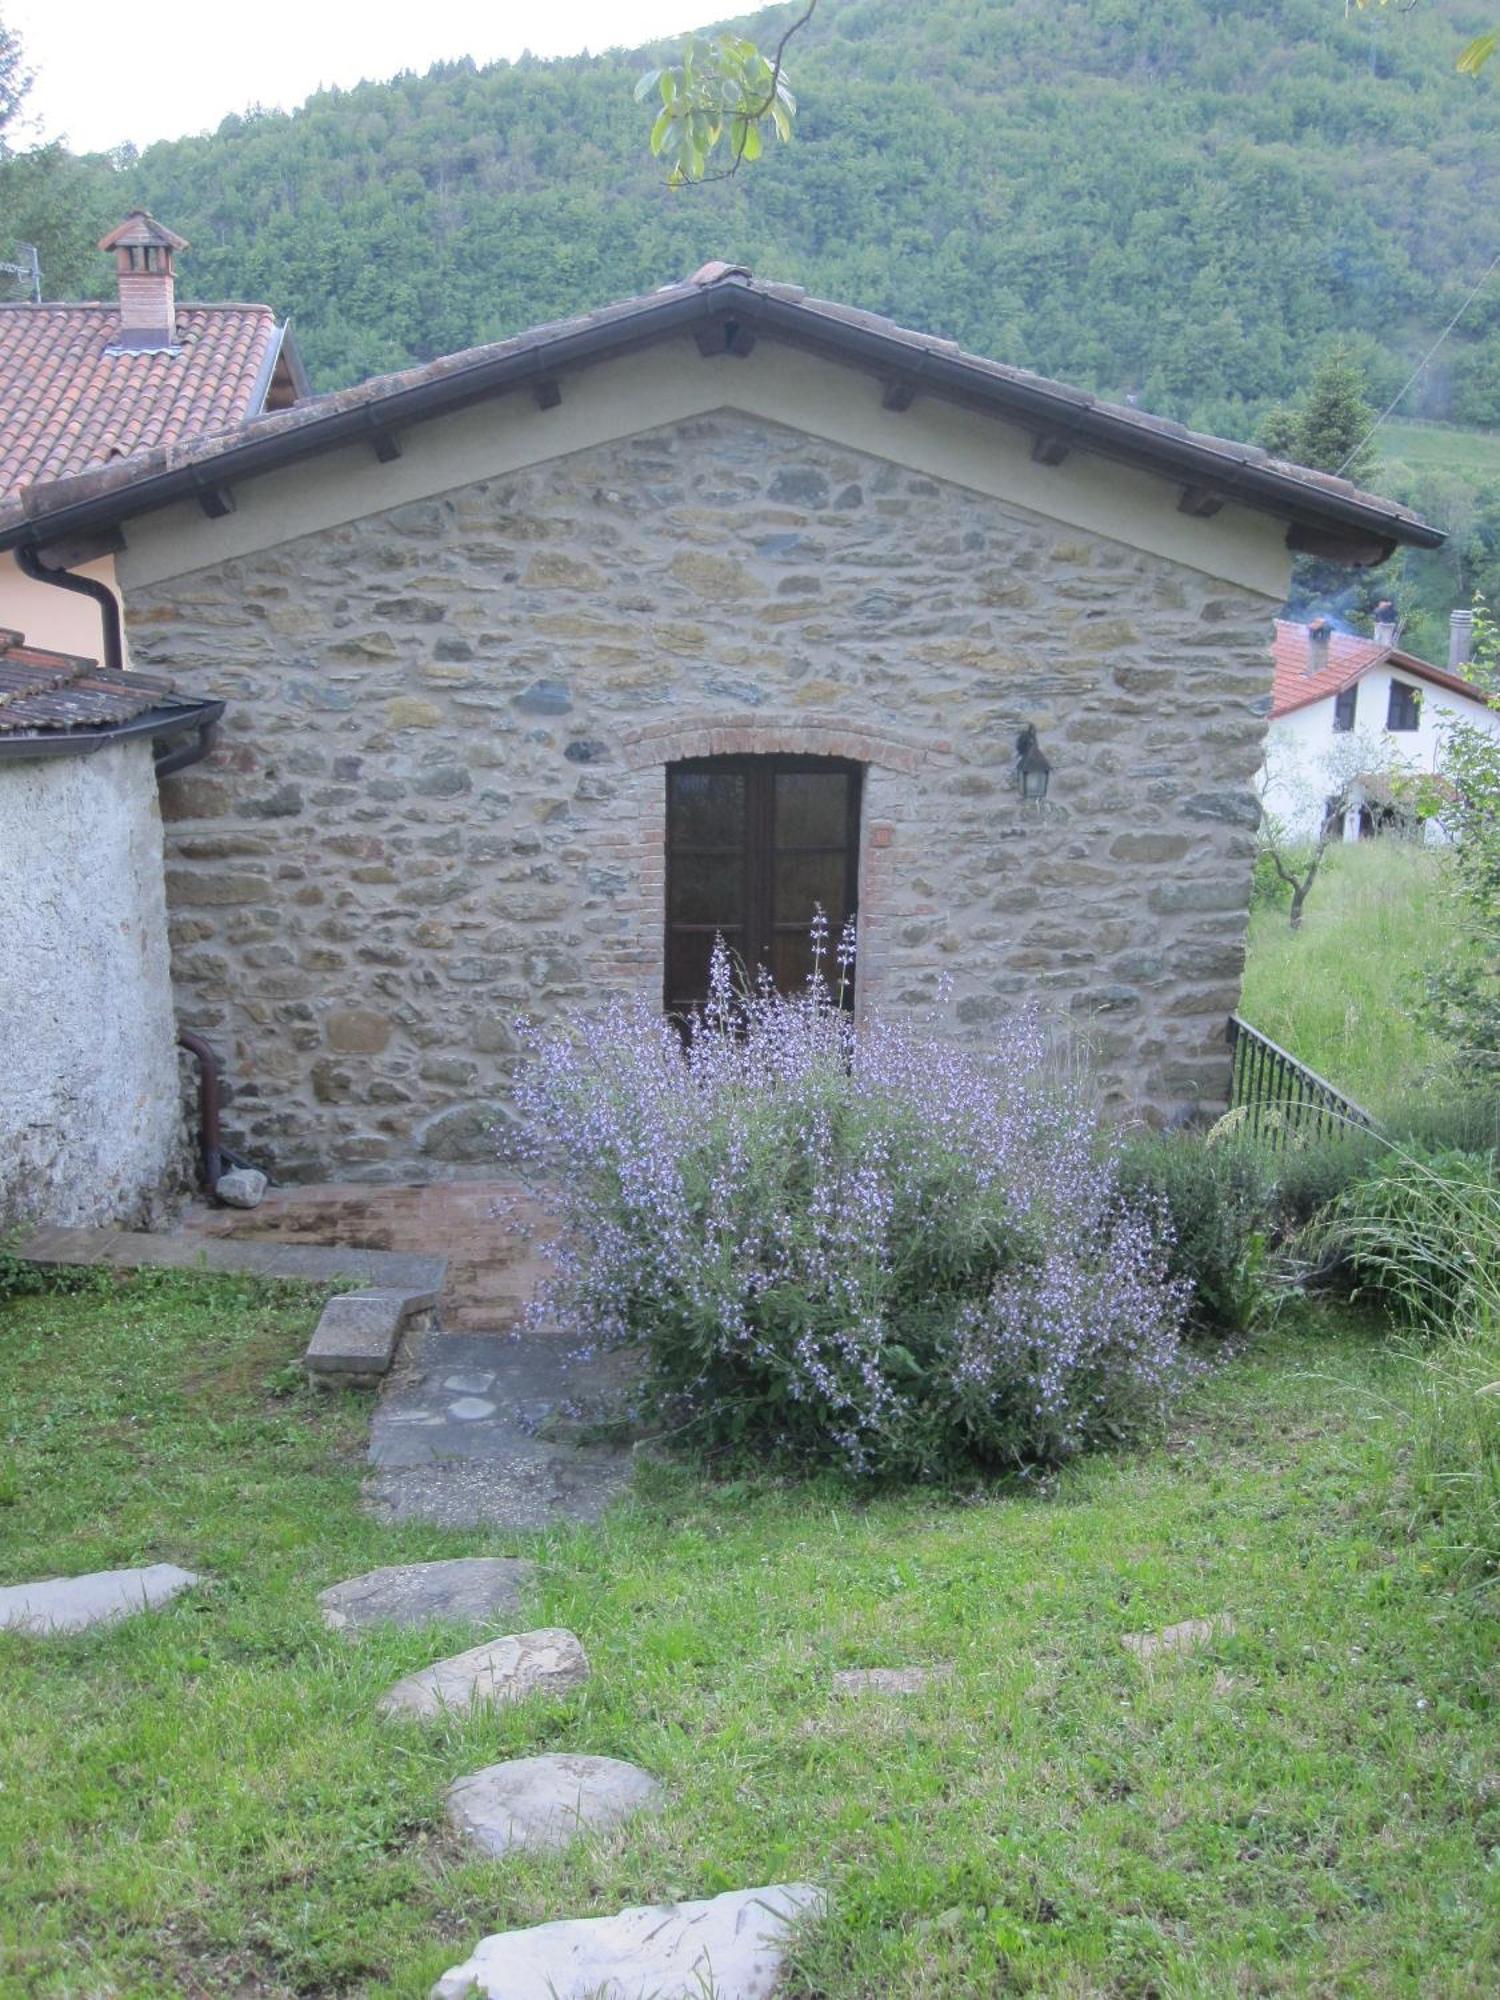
[(1348, 706)]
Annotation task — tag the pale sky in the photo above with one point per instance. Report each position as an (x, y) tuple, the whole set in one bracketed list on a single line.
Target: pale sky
[(107, 70)]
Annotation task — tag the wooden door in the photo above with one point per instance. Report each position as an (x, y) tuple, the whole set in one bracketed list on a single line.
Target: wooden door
[(754, 846)]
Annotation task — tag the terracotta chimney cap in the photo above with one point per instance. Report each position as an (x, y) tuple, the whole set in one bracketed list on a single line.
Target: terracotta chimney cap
[(140, 230), (711, 272), (147, 283)]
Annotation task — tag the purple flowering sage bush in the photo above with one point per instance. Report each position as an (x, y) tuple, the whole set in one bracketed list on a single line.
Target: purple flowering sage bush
[(851, 1245)]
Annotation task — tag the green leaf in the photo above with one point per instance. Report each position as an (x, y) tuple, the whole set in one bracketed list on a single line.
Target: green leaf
[(1478, 53), (751, 150), (664, 123), (647, 84)]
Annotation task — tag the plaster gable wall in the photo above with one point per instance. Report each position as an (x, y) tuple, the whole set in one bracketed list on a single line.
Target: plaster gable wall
[(438, 799), (670, 382), (64, 621), (90, 1116)]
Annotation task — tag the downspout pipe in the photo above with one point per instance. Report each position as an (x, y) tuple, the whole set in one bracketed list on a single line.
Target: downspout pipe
[(193, 748), (209, 1096), (82, 586)]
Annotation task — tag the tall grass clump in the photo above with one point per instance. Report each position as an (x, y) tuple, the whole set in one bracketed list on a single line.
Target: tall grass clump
[(847, 1245), (1421, 1233)]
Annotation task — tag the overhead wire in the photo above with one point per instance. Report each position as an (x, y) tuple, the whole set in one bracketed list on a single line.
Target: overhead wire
[(1478, 287)]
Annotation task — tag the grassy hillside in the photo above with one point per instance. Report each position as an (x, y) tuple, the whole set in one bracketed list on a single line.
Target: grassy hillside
[(1468, 453), (1341, 992), (1181, 199)]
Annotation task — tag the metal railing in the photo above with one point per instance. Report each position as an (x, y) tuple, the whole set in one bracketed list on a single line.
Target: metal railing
[(1285, 1102)]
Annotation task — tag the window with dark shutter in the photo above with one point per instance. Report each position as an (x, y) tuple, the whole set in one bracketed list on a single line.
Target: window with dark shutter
[(754, 846), (1343, 707), (1405, 709)]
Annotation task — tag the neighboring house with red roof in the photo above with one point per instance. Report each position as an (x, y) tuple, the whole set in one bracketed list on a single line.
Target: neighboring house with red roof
[(84, 385), (1349, 707)]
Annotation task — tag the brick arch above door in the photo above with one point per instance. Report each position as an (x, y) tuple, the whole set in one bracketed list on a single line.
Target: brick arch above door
[(773, 736)]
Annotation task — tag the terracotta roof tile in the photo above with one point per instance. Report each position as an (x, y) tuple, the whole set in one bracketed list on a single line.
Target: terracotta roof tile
[(69, 404), (1244, 472), (42, 691), (1349, 656)]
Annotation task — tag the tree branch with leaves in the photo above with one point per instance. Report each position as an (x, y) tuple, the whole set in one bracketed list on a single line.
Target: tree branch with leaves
[(1472, 58), (721, 92)]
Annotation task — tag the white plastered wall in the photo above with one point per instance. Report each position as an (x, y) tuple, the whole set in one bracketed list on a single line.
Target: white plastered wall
[(89, 1096)]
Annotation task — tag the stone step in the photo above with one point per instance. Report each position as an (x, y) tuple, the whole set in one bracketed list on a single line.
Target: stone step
[(59, 1604), (544, 1802), (731, 1946), (355, 1340), (186, 1250), (549, 1661), (471, 1589)]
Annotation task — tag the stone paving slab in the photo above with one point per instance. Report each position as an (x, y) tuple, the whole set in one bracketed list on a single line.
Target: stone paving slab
[(1183, 1638), (730, 1946), (474, 1589), (471, 1431), (865, 1681), (546, 1802), (60, 1604), (549, 1661), (173, 1250)]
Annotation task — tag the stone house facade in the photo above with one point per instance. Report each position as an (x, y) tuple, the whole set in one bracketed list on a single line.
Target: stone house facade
[(465, 650)]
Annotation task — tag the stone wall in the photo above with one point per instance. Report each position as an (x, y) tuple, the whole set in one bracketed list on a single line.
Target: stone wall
[(438, 800), (89, 1109)]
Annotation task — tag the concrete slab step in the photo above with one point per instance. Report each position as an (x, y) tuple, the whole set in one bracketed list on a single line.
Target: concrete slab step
[(355, 1340)]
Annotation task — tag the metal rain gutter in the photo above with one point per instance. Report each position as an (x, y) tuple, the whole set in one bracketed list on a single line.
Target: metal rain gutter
[(21, 747)]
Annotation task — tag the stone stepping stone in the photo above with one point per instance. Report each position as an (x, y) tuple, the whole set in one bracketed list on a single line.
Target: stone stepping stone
[(865, 1681), (75, 1603), (1183, 1638), (730, 1946), (547, 1801), (476, 1589), (550, 1661)]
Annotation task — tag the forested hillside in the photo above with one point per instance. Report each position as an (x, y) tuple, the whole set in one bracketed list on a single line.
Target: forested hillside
[(1176, 198)]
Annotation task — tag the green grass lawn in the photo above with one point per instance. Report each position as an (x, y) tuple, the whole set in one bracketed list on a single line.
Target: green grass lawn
[(1341, 993), (201, 1802)]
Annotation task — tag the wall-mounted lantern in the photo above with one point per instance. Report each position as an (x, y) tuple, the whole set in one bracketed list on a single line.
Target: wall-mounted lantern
[(1032, 771)]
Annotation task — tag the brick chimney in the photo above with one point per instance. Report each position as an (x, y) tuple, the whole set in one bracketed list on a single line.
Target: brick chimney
[(1318, 635), (1384, 624), (148, 284), (1460, 640)]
